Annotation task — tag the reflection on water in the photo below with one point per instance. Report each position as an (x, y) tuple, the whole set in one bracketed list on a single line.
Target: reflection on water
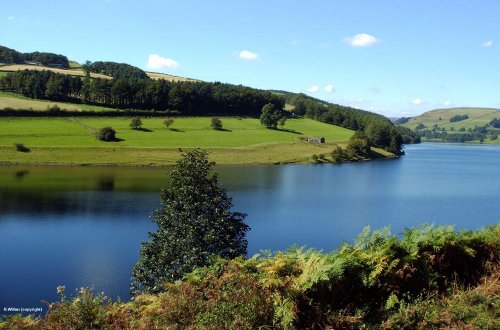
[(82, 226)]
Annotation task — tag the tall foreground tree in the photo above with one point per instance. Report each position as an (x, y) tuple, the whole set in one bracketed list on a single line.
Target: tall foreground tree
[(194, 223)]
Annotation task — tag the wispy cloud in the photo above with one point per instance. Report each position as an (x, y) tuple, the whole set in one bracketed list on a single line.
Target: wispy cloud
[(329, 88), (158, 62), (487, 44), (11, 18), (248, 55), (361, 40), (417, 101), (313, 89), (447, 103)]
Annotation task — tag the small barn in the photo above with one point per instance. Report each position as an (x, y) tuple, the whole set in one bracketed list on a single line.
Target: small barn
[(316, 140)]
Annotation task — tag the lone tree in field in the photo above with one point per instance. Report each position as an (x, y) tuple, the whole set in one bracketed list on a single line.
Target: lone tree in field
[(168, 122), (136, 123), (270, 116), (194, 223), (216, 123), (106, 134)]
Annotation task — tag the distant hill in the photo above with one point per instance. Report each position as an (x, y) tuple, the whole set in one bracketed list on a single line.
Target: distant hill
[(458, 124), (441, 118)]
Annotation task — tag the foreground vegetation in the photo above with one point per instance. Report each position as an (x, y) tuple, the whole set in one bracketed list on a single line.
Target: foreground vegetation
[(241, 141), (424, 278)]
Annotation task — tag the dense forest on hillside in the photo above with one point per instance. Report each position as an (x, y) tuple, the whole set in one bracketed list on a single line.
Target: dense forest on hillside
[(186, 98), (11, 56)]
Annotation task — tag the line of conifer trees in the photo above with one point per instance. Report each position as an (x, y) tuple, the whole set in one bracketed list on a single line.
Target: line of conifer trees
[(187, 98)]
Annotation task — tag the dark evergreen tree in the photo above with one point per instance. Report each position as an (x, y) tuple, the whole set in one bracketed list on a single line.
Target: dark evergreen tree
[(194, 224)]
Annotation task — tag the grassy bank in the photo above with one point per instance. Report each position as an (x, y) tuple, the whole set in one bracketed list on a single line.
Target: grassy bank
[(17, 101), (425, 278), (71, 141)]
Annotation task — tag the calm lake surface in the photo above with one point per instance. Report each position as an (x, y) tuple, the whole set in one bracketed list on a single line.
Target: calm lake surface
[(82, 226)]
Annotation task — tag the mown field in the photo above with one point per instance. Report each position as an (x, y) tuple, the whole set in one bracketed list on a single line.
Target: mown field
[(76, 70), (241, 141), (441, 117), (17, 101)]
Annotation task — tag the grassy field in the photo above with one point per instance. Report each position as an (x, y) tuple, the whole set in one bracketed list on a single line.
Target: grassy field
[(16, 101), (441, 117), (168, 77), (242, 141)]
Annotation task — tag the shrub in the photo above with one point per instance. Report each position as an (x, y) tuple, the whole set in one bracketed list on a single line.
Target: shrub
[(420, 126), (106, 134), (136, 123), (21, 148), (216, 123), (168, 122), (358, 147), (458, 118), (338, 154), (83, 311)]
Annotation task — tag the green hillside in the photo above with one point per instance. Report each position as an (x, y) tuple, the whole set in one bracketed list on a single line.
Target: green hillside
[(457, 125), (441, 117), (19, 102), (241, 141)]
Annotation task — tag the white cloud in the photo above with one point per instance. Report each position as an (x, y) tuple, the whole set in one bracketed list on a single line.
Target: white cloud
[(447, 103), (361, 40), (417, 101), (329, 88), (248, 55), (488, 43), (313, 89), (158, 62), (10, 18)]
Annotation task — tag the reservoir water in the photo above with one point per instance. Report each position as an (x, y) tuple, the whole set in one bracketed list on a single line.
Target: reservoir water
[(82, 226)]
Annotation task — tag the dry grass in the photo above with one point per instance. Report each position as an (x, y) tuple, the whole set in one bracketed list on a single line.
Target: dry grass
[(168, 77), (20, 67)]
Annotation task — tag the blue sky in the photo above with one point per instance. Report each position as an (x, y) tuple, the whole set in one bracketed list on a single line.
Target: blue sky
[(394, 57)]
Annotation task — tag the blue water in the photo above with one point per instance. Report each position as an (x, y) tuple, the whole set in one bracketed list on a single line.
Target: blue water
[(89, 235)]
